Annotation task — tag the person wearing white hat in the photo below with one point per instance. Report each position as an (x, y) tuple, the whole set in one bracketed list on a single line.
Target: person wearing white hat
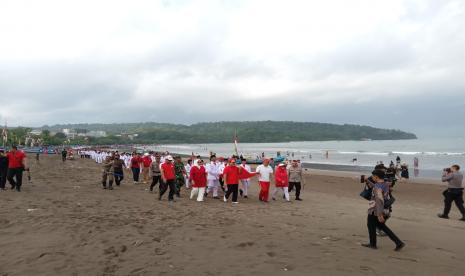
[(146, 162), (168, 176)]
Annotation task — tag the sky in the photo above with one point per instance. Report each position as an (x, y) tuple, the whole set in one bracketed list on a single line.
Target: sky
[(395, 64)]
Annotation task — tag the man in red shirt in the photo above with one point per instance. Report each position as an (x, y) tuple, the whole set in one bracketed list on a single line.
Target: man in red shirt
[(135, 166), (16, 166), (168, 177), (231, 176), (146, 162)]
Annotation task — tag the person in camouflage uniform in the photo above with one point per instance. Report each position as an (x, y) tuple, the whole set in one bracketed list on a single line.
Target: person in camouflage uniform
[(180, 171), (107, 173)]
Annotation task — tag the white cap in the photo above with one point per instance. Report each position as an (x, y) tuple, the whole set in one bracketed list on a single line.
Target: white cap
[(169, 157)]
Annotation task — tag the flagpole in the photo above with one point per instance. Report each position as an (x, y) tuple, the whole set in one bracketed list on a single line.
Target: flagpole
[(235, 142)]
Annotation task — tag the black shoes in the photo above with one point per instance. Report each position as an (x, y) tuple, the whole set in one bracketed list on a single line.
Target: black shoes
[(299, 199), (462, 219), (367, 245), (443, 216), (399, 247)]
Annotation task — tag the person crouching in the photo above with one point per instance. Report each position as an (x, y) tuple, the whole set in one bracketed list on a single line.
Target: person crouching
[(198, 178)]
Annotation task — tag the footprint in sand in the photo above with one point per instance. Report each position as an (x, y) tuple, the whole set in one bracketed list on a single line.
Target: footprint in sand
[(245, 244), (271, 254)]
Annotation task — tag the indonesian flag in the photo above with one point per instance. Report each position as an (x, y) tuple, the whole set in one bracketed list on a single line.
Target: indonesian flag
[(244, 174)]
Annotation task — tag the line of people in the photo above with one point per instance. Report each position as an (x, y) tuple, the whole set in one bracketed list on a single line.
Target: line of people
[(206, 180)]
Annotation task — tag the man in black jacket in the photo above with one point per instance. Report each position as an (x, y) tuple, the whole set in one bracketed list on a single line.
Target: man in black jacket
[(3, 169)]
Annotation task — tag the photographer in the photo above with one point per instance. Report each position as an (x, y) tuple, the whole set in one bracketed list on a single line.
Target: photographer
[(378, 211), (454, 191)]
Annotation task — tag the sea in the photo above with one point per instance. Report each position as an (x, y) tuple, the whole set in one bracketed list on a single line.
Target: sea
[(433, 154)]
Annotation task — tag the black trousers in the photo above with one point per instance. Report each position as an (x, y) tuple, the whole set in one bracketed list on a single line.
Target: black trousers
[(119, 176), (155, 180), (453, 195), (135, 174), (15, 177), (373, 223), (3, 176), (164, 186), (234, 190), (297, 186)]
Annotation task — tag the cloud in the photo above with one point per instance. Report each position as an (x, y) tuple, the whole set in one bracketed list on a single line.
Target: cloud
[(364, 61)]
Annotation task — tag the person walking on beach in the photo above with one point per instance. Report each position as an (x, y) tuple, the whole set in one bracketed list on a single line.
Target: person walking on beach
[(136, 161), (107, 173), (3, 169), (377, 212), (64, 153), (295, 178), (16, 165), (231, 177), (146, 161), (155, 170), (168, 177), (118, 172), (213, 178), (281, 182), (246, 181), (187, 169), (454, 192), (198, 177), (265, 172), (180, 171)]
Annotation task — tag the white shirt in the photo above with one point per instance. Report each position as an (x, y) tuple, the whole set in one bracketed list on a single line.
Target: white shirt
[(264, 173), (213, 170)]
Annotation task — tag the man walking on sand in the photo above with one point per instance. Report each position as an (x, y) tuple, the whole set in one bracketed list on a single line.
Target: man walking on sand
[(3, 169), (168, 177), (454, 192), (295, 178), (136, 161), (213, 170), (146, 161), (16, 165), (265, 172), (155, 170)]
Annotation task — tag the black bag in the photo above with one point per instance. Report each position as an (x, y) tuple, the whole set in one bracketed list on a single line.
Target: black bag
[(366, 193), (388, 202)]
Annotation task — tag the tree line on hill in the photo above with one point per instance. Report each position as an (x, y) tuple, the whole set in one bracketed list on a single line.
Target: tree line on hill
[(216, 132)]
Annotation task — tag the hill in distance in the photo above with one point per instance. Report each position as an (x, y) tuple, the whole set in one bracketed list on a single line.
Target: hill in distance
[(247, 132)]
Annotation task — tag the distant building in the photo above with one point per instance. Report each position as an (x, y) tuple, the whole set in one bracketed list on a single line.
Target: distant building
[(70, 133), (36, 132), (96, 133)]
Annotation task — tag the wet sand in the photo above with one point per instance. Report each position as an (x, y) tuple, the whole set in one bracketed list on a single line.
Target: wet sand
[(64, 223)]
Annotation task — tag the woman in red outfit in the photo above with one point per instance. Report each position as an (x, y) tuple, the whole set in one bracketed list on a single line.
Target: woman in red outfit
[(281, 181), (198, 178)]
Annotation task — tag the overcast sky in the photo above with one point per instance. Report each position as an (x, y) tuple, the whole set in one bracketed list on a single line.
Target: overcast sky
[(397, 64)]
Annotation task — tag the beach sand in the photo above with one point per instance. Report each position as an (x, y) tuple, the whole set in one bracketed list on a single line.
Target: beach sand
[(64, 223)]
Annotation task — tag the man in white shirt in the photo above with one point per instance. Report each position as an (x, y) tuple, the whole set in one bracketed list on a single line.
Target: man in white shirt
[(245, 182), (213, 170), (188, 167), (265, 173)]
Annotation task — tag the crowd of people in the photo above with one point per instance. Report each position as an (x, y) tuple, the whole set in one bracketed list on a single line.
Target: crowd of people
[(230, 177)]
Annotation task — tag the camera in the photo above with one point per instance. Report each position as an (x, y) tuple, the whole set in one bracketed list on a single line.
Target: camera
[(447, 170)]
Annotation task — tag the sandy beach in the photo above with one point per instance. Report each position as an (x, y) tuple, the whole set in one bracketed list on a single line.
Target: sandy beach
[(64, 223)]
